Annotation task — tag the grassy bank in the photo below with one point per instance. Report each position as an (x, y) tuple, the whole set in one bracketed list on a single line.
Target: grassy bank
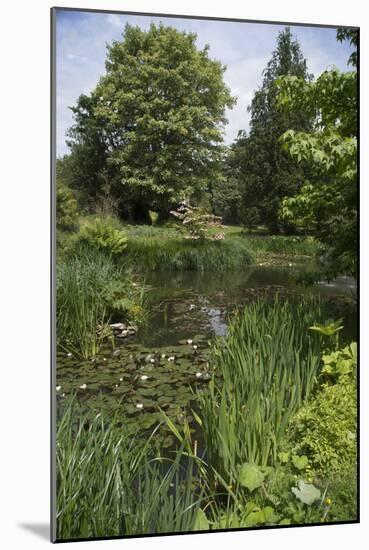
[(160, 248), (91, 292), (168, 254)]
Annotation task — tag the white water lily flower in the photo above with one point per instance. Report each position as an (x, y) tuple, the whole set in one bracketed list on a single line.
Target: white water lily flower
[(198, 374), (116, 385), (194, 347), (163, 355), (144, 377), (58, 388), (152, 360), (189, 342), (120, 379), (83, 387), (139, 406), (63, 394), (104, 359), (69, 354), (171, 358)]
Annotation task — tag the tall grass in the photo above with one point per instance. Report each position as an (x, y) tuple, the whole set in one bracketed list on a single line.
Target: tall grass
[(91, 289), (80, 305), (282, 245), (110, 483), (161, 254), (264, 370)]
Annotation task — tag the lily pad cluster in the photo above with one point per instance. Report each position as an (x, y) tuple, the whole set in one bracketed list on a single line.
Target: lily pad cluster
[(136, 381)]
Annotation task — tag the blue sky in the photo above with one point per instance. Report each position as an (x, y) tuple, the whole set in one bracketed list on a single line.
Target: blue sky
[(245, 48)]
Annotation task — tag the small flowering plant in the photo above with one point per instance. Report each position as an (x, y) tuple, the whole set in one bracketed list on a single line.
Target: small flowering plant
[(196, 222)]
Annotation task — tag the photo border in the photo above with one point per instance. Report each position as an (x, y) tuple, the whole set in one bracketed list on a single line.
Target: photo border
[(53, 474)]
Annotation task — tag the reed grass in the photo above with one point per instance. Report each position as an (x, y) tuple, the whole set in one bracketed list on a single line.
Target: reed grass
[(262, 373), (90, 290), (111, 482), (161, 254), (80, 305), (282, 245)]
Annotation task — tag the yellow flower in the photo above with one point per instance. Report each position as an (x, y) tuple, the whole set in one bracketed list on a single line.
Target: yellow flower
[(328, 501)]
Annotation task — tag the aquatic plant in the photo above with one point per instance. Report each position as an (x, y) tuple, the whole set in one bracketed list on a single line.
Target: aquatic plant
[(90, 290), (262, 373), (160, 254), (111, 482)]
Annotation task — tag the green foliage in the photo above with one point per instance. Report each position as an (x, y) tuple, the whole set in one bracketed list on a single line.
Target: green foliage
[(156, 132), (226, 198), (281, 245), (340, 364), (66, 208), (306, 493), (262, 373), (110, 483), (352, 35), (250, 476), (90, 292), (300, 462), (160, 254), (102, 234), (196, 222), (264, 172), (327, 201), (324, 429)]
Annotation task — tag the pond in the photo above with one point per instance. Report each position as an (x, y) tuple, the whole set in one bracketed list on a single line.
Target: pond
[(169, 356)]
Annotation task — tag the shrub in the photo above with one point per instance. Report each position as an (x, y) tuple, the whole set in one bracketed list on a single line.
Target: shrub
[(196, 222), (325, 428), (66, 208), (104, 235)]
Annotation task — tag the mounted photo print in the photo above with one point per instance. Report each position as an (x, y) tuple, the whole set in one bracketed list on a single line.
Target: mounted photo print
[(205, 257)]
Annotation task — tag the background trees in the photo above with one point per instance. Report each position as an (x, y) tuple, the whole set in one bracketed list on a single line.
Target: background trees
[(264, 172), (151, 129), (327, 202)]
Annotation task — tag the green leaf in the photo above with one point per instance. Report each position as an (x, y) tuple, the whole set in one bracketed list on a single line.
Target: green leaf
[(250, 476), (201, 521), (283, 457), (306, 492), (300, 462)]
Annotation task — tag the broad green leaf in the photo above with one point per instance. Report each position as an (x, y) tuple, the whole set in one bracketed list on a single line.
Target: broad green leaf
[(300, 462), (306, 492), (250, 476)]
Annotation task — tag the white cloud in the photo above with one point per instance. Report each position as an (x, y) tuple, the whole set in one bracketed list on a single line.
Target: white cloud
[(115, 20)]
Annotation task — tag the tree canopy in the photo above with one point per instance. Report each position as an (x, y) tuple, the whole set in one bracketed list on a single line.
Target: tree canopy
[(264, 172), (327, 202), (153, 125)]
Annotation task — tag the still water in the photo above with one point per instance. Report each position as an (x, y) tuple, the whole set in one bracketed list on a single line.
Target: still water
[(169, 357)]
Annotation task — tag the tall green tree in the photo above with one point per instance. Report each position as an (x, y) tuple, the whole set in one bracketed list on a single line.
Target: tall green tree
[(265, 173), (327, 202), (153, 124)]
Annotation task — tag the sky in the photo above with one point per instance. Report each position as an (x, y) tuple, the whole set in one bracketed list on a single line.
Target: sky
[(244, 48)]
